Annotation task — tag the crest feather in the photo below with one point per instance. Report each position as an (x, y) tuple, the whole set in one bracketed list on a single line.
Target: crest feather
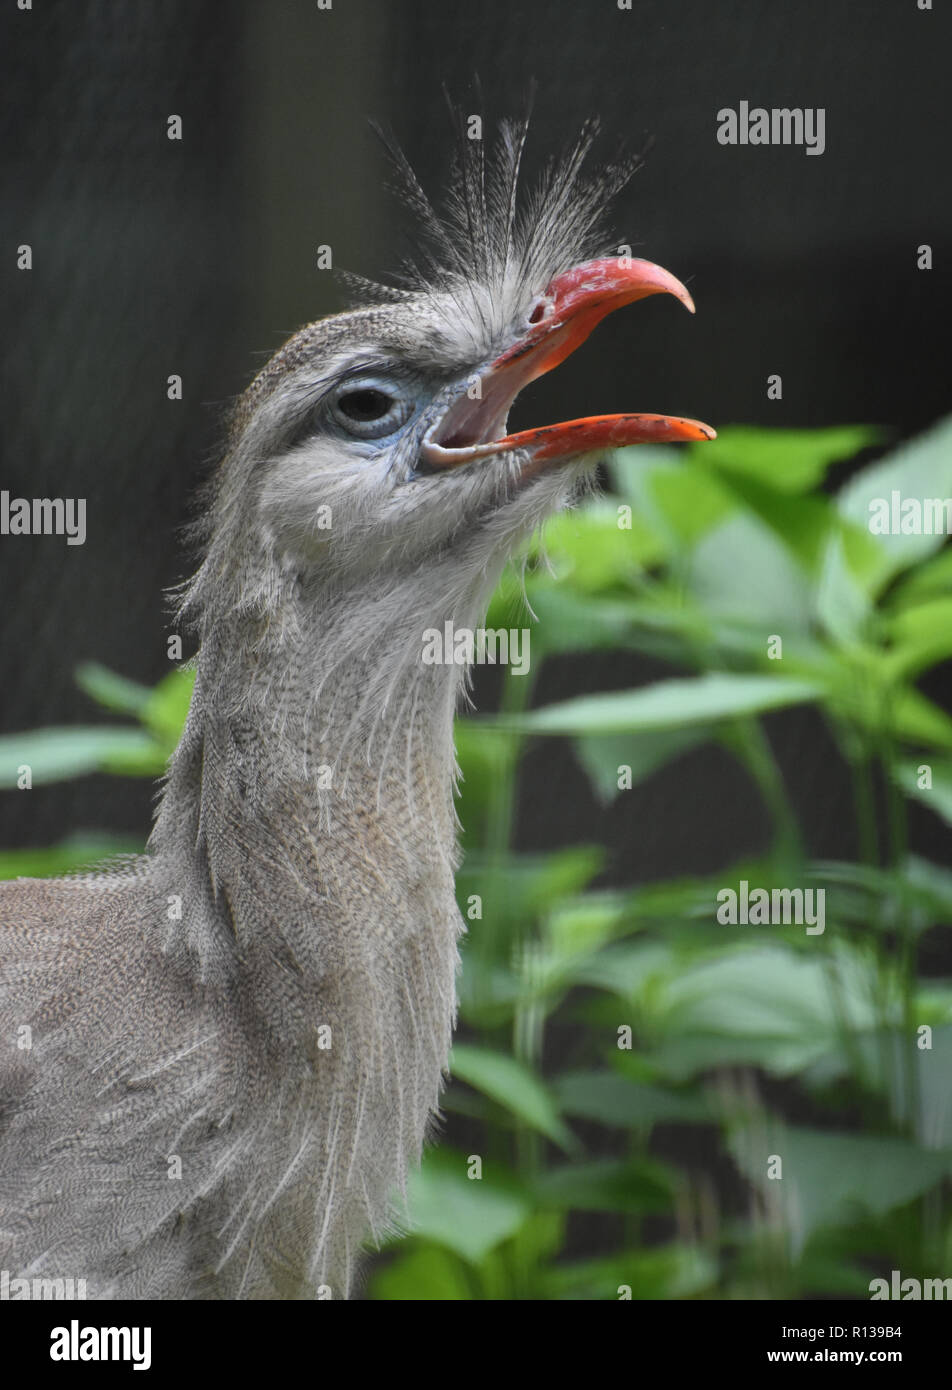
[(488, 229)]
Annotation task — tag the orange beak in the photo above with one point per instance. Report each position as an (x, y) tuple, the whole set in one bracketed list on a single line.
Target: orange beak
[(573, 304)]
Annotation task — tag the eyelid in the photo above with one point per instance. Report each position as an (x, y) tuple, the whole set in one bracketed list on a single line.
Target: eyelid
[(385, 385), (383, 373)]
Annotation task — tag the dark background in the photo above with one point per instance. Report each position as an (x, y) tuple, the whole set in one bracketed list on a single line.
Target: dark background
[(198, 257)]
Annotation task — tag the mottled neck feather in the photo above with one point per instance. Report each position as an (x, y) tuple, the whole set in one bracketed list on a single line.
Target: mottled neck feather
[(316, 772), (308, 827)]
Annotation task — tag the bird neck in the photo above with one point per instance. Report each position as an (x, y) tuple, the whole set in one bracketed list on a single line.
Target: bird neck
[(307, 832), (314, 781)]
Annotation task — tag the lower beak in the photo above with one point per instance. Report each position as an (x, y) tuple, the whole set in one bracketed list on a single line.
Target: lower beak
[(573, 304)]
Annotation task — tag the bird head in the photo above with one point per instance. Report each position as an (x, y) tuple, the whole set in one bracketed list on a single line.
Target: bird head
[(373, 448)]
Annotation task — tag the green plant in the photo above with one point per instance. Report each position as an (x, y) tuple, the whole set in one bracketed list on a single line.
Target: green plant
[(684, 1030)]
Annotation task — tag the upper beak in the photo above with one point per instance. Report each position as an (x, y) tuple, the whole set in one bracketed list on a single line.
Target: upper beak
[(571, 307)]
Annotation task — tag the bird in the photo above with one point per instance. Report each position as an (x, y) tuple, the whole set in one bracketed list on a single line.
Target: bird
[(221, 1059)]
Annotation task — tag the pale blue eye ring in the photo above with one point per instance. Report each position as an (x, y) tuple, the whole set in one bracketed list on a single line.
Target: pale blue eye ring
[(369, 408)]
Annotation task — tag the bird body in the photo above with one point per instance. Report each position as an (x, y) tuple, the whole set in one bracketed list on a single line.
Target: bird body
[(235, 1043), (265, 1003)]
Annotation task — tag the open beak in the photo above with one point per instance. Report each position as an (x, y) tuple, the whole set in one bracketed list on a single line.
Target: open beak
[(573, 304)]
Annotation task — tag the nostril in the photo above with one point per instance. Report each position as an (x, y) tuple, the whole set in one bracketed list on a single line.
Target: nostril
[(540, 311)]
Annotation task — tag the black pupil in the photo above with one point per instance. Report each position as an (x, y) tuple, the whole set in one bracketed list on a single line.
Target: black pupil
[(364, 405)]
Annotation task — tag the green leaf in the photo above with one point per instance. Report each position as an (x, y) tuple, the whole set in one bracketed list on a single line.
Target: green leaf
[(921, 637), (168, 705), (629, 969), (57, 754), (769, 990), (467, 1215), (632, 472), (767, 1005), (573, 622), (593, 554), (830, 1179), (513, 1086), (80, 851), (613, 1100), (843, 604), (577, 926), (917, 720), (741, 570), (667, 704), (789, 461), (902, 712), (930, 579), (920, 468), (670, 1272), (528, 885), (507, 607), (112, 691), (485, 756), (635, 1186), (801, 524), (601, 755), (915, 895), (690, 501), (938, 796), (424, 1274)]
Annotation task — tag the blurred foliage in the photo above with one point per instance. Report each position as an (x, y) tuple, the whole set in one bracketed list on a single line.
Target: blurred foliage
[(689, 1038), (132, 750)]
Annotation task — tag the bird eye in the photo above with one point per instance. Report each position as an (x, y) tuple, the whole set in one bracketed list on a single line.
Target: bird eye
[(369, 411), (364, 405)]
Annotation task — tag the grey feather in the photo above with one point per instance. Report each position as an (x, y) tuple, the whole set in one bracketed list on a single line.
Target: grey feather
[(239, 1039)]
